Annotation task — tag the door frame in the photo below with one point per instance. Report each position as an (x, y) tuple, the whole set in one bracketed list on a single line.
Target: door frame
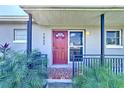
[(83, 38), (68, 31)]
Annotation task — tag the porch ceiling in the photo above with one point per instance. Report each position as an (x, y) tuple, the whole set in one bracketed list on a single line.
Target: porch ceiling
[(75, 16)]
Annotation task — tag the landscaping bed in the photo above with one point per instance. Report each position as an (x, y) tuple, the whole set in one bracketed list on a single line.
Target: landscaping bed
[(19, 70), (101, 77)]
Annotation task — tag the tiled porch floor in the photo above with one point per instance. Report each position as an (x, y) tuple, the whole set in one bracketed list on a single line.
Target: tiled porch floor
[(59, 73)]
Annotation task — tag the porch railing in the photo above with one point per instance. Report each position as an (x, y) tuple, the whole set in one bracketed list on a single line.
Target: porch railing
[(114, 62)]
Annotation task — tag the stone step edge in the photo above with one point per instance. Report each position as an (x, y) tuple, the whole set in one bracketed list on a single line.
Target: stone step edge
[(59, 80)]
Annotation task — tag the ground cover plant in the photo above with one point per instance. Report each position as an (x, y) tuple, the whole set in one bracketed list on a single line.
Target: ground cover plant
[(101, 77)]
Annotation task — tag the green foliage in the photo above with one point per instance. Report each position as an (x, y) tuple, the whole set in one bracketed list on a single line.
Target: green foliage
[(4, 49), (99, 78), (20, 71)]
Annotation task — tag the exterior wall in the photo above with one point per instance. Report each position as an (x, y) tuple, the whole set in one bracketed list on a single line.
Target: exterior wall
[(92, 41), (37, 42), (7, 35)]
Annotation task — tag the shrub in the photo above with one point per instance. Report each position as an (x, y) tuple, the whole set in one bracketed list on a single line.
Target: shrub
[(99, 78), (21, 71)]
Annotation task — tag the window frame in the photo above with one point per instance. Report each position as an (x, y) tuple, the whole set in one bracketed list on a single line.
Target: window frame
[(83, 36), (120, 39), (18, 41)]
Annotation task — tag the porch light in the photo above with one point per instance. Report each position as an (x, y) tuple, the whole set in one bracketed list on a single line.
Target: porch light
[(87, 33)]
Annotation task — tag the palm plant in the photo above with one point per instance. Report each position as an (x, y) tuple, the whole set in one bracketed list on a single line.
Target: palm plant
[(4, 49), (18, 70)]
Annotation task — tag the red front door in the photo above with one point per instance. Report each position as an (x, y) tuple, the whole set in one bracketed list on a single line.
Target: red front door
[(60, 47)]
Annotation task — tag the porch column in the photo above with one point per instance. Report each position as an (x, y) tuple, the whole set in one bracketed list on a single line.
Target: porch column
[(102, 38), (29, 34)]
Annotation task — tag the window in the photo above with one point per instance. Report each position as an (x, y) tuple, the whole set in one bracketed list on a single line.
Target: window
[(76, 38), (113, 38), (20, 35), (76, 44), (77, 51)]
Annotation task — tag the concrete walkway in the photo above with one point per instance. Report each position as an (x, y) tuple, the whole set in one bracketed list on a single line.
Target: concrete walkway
[(54, 83)]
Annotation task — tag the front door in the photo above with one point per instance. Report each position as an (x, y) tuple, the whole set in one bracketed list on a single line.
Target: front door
[(60, 47)]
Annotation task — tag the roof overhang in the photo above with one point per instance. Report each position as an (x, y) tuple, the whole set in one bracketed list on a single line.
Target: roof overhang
[(14, 18), (75, 16)]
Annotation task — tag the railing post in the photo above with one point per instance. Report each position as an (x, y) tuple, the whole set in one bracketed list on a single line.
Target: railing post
[(102, 39), (73, 67)]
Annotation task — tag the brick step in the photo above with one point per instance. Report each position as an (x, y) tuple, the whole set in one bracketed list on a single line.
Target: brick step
[(60, 73)]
